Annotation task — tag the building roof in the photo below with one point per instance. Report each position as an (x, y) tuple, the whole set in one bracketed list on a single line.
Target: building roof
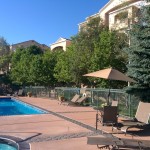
[(27, 44), (61, 40)]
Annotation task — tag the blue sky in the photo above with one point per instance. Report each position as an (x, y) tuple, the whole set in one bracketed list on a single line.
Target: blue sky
[(44, 20)]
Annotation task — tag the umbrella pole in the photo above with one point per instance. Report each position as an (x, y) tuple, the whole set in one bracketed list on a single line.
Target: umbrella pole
[(97, 115), (109, 93), (108, 97), (96, 120)]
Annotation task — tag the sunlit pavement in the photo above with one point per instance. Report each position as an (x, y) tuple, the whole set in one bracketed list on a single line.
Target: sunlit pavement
[(63, 128)]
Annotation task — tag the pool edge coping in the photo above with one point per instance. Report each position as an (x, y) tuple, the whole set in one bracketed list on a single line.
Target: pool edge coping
[(23, 145)]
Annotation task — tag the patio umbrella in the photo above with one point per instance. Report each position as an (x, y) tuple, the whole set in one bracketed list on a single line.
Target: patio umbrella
[(110, 74)]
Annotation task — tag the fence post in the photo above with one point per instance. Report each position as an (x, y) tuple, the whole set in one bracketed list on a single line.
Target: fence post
[(129, 105), (96, 120)]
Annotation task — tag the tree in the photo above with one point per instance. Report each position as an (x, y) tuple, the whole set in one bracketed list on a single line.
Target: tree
[(22, 71), (30, 66), (97, 49), (139, 55), (35, 70), (4, 47), (49, 61), (61, 69), (4, 55), (108, 52), (82, 49), (92, 49)]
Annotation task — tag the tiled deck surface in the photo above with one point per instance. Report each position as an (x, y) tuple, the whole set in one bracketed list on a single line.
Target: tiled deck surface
[(64, 128)]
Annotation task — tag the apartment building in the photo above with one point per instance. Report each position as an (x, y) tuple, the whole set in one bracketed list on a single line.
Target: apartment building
[(117, 14)]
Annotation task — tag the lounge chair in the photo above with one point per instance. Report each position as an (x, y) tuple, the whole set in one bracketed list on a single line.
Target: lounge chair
[(73, 100), (140, 121), (76, 100), (20, 92), (112, 142), (81, 100)]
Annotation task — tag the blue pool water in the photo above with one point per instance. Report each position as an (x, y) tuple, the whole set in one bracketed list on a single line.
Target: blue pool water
[(7, 147), (10, 106), (7, 144)]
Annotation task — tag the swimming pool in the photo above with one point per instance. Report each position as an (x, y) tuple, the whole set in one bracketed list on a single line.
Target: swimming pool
[(11, 106), (13, 143), (6, 147), (7, 144)]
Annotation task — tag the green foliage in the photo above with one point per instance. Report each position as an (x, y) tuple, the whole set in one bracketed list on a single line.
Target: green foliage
[(30, 66), (23, 63), (73, 63), (49, 61), (139, 56), (5, 55), (34, 50), (108, 53), (122, 15), (35, 70), (19, 66), (62, 71), (4, 47), (92, 49)]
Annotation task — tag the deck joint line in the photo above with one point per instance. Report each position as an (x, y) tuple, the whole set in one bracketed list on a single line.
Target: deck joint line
[(92, 132)]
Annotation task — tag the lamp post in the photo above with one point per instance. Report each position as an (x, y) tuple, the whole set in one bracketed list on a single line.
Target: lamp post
[(129, 42), (129, 39)]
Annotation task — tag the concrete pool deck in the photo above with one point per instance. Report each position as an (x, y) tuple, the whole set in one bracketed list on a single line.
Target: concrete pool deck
[(64, 128)]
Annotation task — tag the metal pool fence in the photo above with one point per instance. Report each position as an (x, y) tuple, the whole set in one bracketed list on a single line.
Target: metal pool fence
[(40, 91), (95, 97)]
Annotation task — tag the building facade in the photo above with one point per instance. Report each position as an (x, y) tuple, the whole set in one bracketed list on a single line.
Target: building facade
[(26, 44), (61, 43), (118, 14)]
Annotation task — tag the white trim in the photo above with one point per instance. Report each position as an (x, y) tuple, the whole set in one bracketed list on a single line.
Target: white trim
[(133, 4), (105, 6)]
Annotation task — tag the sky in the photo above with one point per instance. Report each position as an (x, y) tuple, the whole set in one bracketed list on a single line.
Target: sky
[(44, 21)]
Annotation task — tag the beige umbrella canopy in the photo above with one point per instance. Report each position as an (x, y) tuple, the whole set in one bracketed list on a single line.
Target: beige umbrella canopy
[(111, 74)]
